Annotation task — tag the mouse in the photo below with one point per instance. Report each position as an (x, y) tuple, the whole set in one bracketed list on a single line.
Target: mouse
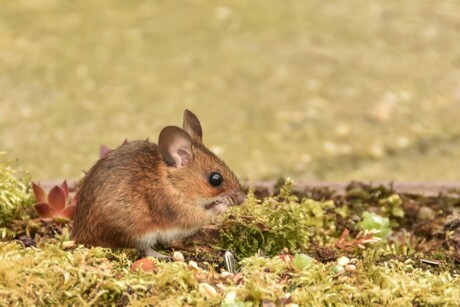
[(142, 193)]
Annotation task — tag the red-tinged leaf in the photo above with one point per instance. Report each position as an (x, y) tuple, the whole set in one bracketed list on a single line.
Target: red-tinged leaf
[(45, 210), (39, 192), (104, 151), (57, 198), (74, 200), (65, 188), (68, 212)]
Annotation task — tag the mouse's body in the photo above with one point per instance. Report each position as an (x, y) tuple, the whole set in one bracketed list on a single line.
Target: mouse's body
[(142, 193)]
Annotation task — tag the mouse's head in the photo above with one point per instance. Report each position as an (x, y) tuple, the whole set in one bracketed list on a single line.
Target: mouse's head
[(194, 171)]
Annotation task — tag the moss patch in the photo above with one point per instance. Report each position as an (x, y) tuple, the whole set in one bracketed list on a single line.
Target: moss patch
[(15, 197)]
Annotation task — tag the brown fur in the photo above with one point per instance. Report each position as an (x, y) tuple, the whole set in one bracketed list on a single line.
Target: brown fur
[(132, 191)]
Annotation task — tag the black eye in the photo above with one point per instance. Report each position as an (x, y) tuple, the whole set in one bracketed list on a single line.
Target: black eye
[(215, 179)]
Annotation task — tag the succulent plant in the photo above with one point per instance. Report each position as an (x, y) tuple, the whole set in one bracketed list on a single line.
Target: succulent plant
[(55, 204)]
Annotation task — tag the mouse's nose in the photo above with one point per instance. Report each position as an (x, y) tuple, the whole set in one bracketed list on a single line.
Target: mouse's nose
[(240, 198), (235, 198)]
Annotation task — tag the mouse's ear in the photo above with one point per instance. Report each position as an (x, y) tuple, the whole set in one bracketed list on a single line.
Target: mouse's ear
[(175, 146), (192, 126)]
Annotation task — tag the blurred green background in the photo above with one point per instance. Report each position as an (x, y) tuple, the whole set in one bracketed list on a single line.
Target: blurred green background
[(328, 90)]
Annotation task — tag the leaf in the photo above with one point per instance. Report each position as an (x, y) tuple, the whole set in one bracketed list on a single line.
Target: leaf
[(39, 192), (57, 198), (65, 188), (74, 200), (302, 261), (372, 221), (68, 212), (44, 210)]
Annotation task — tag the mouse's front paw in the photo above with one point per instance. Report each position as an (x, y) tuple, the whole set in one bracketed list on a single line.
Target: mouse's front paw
[(218, 209)]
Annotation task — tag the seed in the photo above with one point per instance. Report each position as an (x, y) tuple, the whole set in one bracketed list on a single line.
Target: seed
[(68, 244), (193, 264), (178, 257), (230, 263), (207, 290)]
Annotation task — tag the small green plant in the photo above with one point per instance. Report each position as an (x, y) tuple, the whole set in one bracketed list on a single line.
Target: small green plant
[(373, 221), (14, 193), (55, 204), (302, 261), (403, 243), (276, 223), (392, 206)]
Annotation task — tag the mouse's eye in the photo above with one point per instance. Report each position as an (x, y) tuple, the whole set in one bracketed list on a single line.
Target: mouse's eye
[(215, 179)]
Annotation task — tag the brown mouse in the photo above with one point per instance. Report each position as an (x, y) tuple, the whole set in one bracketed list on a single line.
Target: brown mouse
[(142, 193)]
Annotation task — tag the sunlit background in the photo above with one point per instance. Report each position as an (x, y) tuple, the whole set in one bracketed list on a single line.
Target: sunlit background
[(317, 90)]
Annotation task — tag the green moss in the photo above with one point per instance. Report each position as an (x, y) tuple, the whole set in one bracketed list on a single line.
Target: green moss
[(15, 194), (50, 275), (393, 283), (276, 223)]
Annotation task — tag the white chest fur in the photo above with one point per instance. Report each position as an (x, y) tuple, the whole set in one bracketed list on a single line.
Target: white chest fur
[(151, 238)]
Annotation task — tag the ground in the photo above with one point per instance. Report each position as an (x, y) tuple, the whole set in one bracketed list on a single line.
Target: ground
[(368, 245)]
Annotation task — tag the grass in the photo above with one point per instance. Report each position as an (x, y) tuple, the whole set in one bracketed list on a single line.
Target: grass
[(315, 90)]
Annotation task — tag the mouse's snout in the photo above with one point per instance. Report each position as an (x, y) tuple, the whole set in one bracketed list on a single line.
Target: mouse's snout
[(237, 198), (242, 198)]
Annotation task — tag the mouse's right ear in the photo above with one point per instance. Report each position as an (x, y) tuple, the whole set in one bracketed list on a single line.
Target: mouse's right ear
[(193, 126), (175, 146)]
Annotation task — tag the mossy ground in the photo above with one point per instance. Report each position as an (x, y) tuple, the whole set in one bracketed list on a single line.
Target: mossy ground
[(418, 264)]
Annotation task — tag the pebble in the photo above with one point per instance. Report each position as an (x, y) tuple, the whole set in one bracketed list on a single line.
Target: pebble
[(343, 261), (338, 269), (144, 264), (426, 213), (350, 268), (178, 257)]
